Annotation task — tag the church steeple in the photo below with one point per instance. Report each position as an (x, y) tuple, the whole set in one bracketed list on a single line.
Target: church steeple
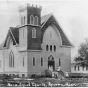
[(30, 24), (30, 15)]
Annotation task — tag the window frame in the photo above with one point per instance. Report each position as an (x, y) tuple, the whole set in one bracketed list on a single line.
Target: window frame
[(36, 20), (33, 33), (33, 61), (55, 48), (41, 61), (50, 47), (23, 61), (11, 59), (32, 19), (47, 47)]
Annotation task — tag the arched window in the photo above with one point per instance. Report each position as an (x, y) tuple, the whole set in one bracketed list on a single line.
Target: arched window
[(33, 61), (47, 47), (11, 59), (41, 61), (33, 33), (50, 47), (59, 62), (54, 48), (21, 20), (31, 19), (36, 20)]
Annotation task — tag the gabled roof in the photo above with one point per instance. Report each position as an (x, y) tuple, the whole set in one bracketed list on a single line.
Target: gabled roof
[(46, 20), (51, 20), (14, 34)]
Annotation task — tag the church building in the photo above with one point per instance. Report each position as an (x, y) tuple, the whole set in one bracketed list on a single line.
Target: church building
[(36, 44)]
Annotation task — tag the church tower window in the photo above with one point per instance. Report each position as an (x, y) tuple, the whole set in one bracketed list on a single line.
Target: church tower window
[(31, 19), (36, 20), (21, 20), (24, 20), (33, 33)]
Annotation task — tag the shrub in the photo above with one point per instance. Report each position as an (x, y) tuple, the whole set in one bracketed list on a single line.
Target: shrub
[(48, 73)]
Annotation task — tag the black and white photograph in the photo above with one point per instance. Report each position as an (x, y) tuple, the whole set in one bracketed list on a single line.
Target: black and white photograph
[(43, 43)]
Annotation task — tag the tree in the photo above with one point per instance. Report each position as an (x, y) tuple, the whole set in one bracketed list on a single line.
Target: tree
[(82, 59)]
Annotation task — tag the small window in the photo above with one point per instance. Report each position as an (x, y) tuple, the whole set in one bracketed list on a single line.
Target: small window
[(41, 61), (33, 33), (23, 33), (31, 19), (36, 20), (33, 61), (21, 20), (78, 68), (13, 61), (54, 48), (50, 33), (59, 62), (23, 61), (75, 68), (47, 47), (50, 47), (24, 20)]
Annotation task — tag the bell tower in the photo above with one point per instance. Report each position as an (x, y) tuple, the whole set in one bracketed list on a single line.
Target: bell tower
[(30, 27)]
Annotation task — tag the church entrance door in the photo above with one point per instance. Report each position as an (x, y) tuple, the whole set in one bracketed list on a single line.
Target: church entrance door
[(51, 63)]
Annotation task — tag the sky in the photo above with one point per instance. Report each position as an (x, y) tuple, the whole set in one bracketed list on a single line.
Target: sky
[(72, 16)]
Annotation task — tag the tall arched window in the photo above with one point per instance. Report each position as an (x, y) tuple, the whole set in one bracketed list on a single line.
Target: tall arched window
[(50, 47), (31, 19), (47, 47), (23, 61), (24, 20), (11, 59), (33, 61), (54, 48), (59, 62), (21, 20), (36, 20), (41, 61), (33, 33)]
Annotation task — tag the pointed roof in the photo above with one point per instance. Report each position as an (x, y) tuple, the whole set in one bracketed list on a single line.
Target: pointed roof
[(51, 20), (14, 34), (46, 20)]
